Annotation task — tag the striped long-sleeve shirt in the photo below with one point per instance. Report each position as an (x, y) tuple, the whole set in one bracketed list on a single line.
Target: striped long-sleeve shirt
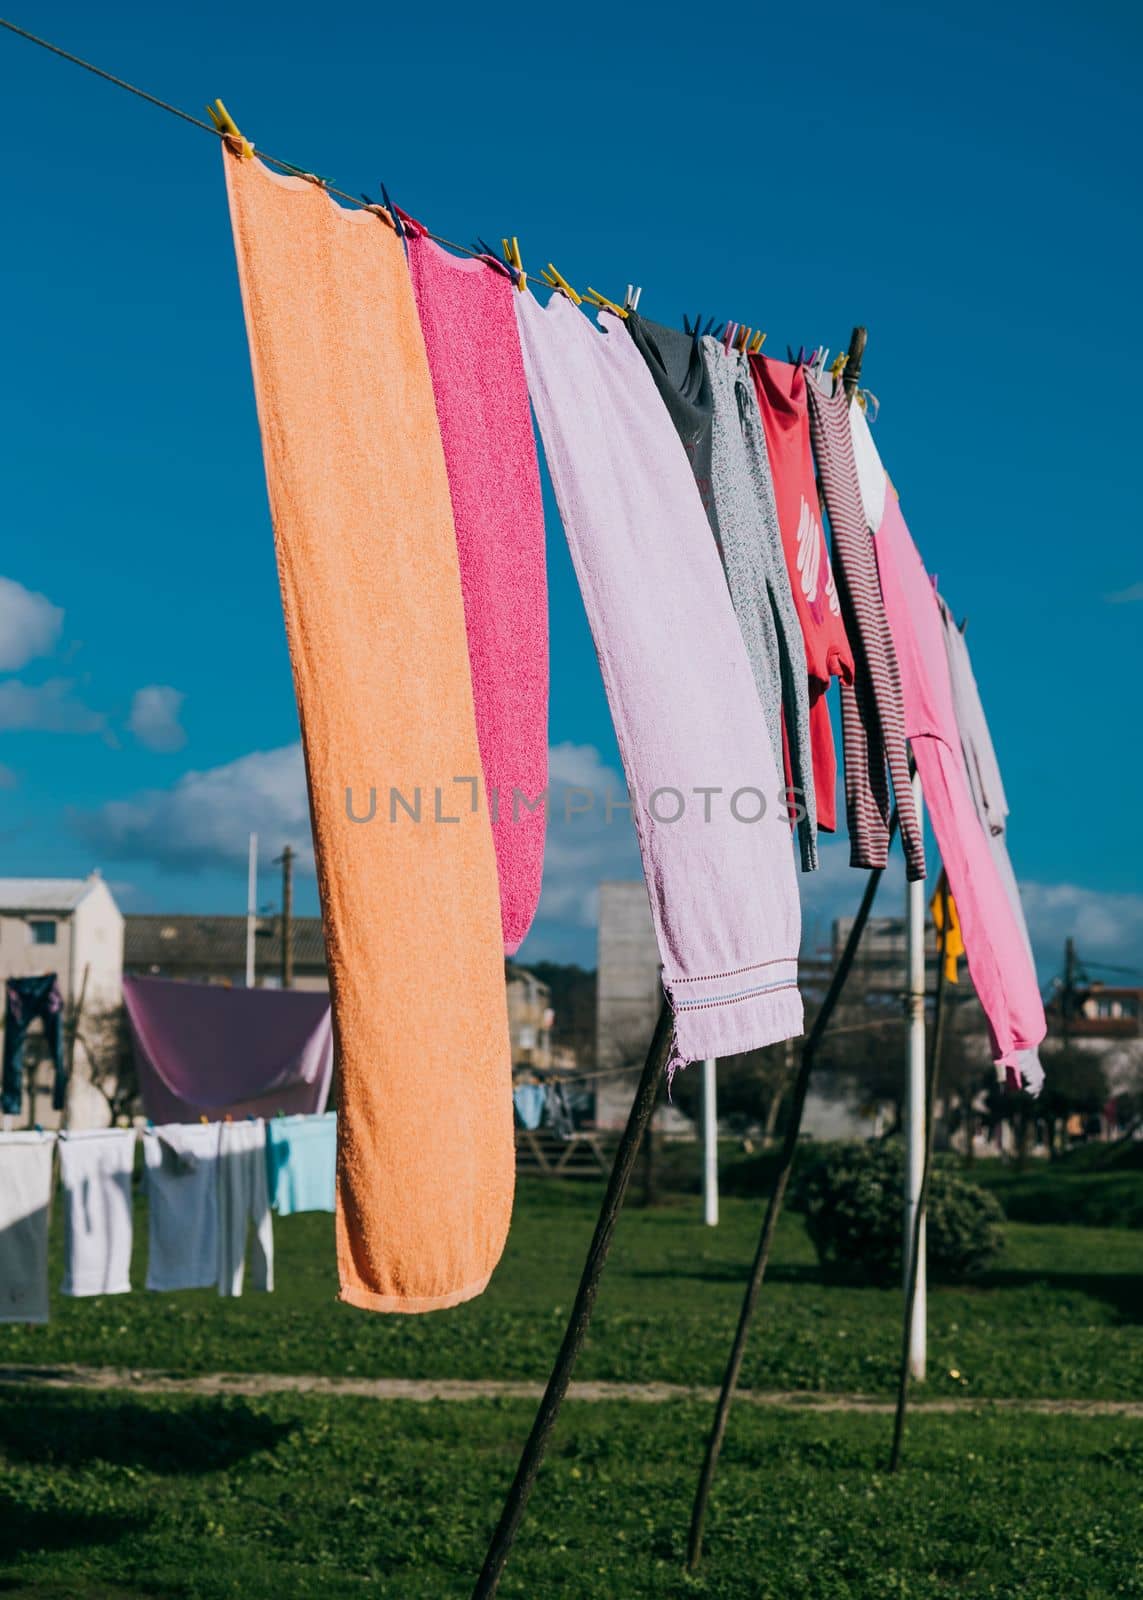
[(872, 716)]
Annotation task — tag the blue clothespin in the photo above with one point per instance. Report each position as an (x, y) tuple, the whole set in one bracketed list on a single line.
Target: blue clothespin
[(392, 210), (485, 249)]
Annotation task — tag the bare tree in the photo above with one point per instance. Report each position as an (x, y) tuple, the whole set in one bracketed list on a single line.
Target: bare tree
[(103, 1040)]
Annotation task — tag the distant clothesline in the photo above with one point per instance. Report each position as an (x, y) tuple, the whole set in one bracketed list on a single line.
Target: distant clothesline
[(230, 136)]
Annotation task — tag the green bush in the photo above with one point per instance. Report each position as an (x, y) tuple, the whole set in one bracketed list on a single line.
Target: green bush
[(852, 1202)]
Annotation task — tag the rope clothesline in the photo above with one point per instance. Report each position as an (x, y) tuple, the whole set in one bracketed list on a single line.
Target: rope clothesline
[(232, 139)]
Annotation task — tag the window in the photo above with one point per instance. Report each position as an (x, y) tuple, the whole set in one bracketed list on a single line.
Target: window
[(43, 932)]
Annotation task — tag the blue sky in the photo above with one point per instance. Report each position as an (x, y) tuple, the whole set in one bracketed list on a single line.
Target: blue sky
[(962, 178)]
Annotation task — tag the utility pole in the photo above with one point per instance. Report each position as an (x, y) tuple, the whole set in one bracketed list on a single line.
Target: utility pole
[(251, 909), (287, 859), (1067, 998)]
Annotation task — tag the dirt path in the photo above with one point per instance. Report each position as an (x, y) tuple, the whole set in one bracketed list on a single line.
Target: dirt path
[(422, 1390)]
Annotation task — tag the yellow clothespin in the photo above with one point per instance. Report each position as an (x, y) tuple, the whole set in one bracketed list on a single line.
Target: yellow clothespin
[(512, 256), (838, 366), (603, 302), (756, 343), (225, 124), (556, 280)]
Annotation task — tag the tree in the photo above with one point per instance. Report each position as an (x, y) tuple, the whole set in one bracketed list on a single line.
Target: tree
[(103, 1040), (1075, 1081), (751, 1088)]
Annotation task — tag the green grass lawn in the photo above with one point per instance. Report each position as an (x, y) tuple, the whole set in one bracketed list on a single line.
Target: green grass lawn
[(1062, 1313), (110, 1495), (106, 1497)]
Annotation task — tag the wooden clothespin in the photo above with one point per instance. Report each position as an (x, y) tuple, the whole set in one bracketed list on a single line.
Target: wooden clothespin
[(225, 124), (513, 258), (603, 302), (556, 280)]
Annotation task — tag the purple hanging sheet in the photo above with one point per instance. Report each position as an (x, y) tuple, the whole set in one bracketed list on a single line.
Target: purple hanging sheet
[(206, 1051)]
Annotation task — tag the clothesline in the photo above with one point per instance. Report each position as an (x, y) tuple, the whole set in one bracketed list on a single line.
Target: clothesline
[(231, 138), (204, 1183)]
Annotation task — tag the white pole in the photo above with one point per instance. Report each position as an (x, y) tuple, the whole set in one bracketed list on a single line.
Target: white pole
[(251, 910), (915, 1102), (710, 1145)]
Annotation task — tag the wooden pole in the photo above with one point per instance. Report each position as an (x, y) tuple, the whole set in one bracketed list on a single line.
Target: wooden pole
[(72, 1036), (287, 860), (913, 1280), (915, 1256), (773, 1212), (638, 1120), (251, 908)]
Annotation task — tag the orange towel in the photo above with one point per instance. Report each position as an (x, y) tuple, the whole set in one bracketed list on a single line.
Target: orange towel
[(371, 594)]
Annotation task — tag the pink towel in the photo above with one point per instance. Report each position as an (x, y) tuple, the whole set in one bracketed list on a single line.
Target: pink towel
[(999, 961), (695, 749), (494, 480)]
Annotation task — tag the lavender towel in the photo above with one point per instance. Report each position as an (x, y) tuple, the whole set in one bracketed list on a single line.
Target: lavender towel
[(205, 1051), (695, 749)]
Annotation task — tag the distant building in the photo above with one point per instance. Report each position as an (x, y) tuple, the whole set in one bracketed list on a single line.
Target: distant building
[(882, 952), (1107, 1020), (72, 927), (208, 949), (69, 926), (1103, 1012), (530, 1019)]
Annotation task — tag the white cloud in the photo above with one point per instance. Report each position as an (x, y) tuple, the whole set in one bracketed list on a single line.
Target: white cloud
[(1123, 597), (1106, 924), (205, 819), (51, 707), (29, 625), (585, 845), (154, 718)]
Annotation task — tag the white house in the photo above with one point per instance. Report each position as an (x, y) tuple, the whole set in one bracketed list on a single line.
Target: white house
[(72, 927)]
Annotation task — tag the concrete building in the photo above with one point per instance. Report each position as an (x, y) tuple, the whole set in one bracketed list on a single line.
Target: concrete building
[(72, 927), (629, 994)]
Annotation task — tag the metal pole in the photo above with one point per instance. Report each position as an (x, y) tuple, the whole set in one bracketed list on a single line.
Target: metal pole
[(710, 1144), (916, 1254), (773, 1211), (914, 1225), (251, 909), (642, 1109)]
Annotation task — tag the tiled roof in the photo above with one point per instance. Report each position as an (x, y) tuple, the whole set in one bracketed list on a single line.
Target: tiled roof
[(206, 943), (43, 894)]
